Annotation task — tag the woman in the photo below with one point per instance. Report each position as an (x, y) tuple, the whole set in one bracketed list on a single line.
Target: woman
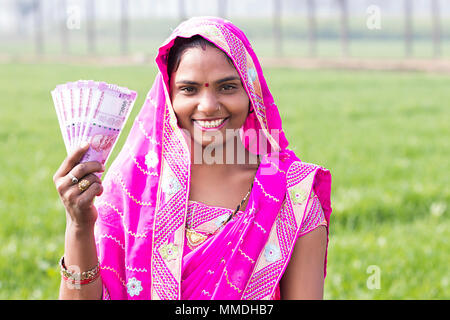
[(204, 201)]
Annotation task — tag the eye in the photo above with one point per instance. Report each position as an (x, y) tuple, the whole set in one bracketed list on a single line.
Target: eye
[(188, 90), (228, 87)]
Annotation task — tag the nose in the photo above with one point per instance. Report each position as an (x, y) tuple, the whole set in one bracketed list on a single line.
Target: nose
[(208, 102)]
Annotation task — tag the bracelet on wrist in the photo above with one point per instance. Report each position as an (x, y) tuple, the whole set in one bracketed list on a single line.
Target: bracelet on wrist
[(79, 278)]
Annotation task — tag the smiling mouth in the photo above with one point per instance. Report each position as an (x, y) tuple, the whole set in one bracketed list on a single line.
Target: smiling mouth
[(211, 124)]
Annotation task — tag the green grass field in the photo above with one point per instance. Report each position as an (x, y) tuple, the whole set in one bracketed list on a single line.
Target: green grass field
[(383, 136)]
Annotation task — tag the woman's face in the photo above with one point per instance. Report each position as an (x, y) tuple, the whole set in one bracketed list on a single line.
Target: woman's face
[(207, 95)]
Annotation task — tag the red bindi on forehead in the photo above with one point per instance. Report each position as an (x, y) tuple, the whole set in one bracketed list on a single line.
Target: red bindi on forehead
[(207, 84)]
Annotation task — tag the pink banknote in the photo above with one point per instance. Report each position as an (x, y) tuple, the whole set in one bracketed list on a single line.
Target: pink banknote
[(93, 112)]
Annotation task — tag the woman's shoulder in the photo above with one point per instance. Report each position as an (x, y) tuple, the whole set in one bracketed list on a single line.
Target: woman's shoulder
[(292, 166), (303, 178), (309, 180), (298, 170)]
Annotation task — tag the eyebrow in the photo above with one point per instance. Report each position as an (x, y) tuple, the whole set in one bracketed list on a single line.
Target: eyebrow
[(226, 79)]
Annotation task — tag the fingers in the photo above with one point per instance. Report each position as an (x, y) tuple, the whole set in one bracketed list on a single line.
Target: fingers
[(72, 194), (91, 178), (71, 161), (86, 168), (86, 197), (79, 201), (80, 171)]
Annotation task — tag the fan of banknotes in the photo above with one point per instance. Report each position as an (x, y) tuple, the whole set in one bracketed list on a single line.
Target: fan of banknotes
[(93, 112)]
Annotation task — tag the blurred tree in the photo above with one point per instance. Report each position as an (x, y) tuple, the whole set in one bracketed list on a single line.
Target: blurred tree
[(90, 27), (435, 12), (38, 26), (277, 27), (222, 5), (343, 5), (407, 5), (23, 9), (63, 26), (181, 10), (124, 23), (312, 32)]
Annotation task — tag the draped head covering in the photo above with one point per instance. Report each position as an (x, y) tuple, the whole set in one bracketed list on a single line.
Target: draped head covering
[(140, 230)]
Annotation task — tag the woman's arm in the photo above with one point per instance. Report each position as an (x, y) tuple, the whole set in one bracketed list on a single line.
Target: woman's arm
[(81, 254), (80, 249), (304, 275)]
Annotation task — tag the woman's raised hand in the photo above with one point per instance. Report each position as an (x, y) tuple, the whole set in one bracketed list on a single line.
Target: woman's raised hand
[(76, 194)]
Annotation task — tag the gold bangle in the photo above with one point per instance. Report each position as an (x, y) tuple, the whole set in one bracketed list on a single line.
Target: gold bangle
[(77, 276)]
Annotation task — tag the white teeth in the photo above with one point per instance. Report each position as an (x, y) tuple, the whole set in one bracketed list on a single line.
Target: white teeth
[(210, 124)]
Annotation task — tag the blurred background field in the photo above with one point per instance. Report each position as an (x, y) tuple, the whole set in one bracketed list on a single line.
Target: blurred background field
[(290, 28), (383, 135)]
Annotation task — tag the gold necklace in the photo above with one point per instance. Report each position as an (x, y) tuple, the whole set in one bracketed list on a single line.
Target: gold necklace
[(195, 238)]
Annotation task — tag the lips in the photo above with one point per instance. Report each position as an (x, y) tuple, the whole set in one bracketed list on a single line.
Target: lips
[(214, 124)]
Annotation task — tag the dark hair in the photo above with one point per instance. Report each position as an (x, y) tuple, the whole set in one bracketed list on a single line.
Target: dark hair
[(181, 45)]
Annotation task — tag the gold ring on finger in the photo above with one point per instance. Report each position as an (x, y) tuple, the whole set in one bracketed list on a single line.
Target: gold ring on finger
[(83, 185)]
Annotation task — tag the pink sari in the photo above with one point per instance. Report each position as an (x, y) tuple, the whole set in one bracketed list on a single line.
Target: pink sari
[(140, 231)]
